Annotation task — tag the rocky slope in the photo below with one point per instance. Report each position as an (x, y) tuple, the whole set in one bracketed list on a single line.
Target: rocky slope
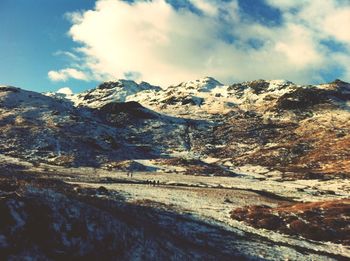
[(274, 144), (50, 220), (302, 131), (41, 128), (38, 127)]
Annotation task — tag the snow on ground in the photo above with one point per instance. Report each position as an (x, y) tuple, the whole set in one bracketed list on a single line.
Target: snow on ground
[(299, 190), (254, 178), (211, 199)]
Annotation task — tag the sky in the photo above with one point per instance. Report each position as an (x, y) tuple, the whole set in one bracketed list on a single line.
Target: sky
[(47, 45)]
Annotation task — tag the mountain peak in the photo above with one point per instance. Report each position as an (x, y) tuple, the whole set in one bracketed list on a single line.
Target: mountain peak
[(117, 84), (126, 84), (338, 81), (203, 84), (340, 84), (113, 91)]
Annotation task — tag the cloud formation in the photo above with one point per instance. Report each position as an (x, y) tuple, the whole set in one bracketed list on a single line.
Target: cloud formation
[(158, 42), (65, 74), (65, 90)]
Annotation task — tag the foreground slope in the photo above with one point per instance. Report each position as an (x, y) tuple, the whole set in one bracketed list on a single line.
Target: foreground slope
[(46, 216)]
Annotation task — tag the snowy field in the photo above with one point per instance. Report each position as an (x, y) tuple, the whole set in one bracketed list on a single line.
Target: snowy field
[(210, 199)]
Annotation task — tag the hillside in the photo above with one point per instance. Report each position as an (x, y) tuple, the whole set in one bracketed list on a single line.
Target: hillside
[(198, 171), (298, 130)]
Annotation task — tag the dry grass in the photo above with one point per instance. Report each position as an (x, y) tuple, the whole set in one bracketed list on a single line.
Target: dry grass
[(321, 221)]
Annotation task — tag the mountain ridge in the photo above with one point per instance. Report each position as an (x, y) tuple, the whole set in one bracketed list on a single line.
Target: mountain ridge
[(241, 121)]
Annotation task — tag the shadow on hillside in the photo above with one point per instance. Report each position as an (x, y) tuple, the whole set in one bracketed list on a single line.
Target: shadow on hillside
[(49, 219), (70, 136)]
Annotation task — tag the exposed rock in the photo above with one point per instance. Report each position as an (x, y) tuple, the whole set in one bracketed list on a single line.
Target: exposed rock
[(258, 86), (131, 110), (302, 99)]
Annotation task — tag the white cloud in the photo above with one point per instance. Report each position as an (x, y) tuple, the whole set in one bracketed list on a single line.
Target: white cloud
[(65, 90), (287, 4), (163, 45), (327, 18), (205, 6), (65, 74), (299, 47), (337, 25), (67, 54)]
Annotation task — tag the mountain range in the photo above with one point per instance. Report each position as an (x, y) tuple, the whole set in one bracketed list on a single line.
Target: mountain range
[(257, 170), (301, 130)]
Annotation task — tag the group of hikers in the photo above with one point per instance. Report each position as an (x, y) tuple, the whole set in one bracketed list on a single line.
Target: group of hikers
[(148, 182), (152, 183)]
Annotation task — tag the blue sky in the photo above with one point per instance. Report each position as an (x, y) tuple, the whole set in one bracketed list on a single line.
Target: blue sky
[(46, 45), (31, 32)]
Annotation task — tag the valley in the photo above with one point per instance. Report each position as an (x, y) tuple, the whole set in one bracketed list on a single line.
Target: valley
[(198, 171)]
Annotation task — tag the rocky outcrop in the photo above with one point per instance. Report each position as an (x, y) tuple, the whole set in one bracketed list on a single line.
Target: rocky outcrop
[(125, 113), (112, 91)]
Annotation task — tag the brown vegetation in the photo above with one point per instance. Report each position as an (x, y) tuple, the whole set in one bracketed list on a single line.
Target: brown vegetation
[(321, 221)]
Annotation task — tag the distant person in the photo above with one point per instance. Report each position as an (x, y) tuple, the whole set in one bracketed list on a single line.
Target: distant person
[(158, 182)]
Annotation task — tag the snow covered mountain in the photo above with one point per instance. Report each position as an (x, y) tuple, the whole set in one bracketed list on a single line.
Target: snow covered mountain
[(272, 123), (252, 170), (38, 127), (107, 92)]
